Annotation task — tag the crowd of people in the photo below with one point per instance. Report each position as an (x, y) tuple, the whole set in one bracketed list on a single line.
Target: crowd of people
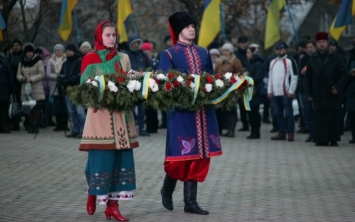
[(320, 77), (317, 75)]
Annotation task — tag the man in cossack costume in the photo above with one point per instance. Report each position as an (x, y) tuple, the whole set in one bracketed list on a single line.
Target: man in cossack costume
[(192, 137)]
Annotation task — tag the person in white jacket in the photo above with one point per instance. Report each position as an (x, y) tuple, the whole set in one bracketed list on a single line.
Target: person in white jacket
[(281, 90)]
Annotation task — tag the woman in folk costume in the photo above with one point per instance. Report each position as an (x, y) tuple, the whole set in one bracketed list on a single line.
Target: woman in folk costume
[(192, 137), (108, 137)]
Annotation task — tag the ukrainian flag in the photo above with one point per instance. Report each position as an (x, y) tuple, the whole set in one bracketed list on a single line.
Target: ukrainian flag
[(210, 24), (66, 22), (2, 26), (343, 18), (124, 9), (272, 31)]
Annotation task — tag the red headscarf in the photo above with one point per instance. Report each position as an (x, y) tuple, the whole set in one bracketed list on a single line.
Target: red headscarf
[(93, 57)]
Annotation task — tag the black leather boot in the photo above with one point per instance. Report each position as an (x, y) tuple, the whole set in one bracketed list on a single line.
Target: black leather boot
[(190, 194), (167, 192)]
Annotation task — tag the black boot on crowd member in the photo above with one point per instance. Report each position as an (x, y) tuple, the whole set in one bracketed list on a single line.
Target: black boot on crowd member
[(309, 139), (231, 123), (58, 119), (190, 195), (167, 192), (254, 136)]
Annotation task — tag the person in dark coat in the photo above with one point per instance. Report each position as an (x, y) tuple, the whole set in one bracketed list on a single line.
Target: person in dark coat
[(308, 107), (15, 58), (70, 76), (324, 84), (139, 62), (350, 100), (7, 86), (241, 54), (257, 73)]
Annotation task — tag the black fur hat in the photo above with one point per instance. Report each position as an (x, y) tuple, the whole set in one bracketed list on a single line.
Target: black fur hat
[(177, 22)]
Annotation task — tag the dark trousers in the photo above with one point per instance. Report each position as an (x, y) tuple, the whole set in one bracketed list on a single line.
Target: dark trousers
[(254, 120), (4, 115), (152, 120), (243, 113), (351, 115)]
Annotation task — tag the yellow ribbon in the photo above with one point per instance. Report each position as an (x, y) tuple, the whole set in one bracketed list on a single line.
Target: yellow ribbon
[(102, 86), (145, 88)]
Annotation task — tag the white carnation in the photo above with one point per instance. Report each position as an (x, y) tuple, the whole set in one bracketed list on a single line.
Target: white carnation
[(137, 85), (89, 81), (97, 77), (155, 88), (113, 88), (94, 83), (219, 83), (192, 85), (110, 84), (130, 85), (208, 87), (180, 79), (161, 76), (228, 75), (152, 82)]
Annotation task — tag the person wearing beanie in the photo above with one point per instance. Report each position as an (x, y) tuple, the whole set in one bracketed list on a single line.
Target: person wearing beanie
[(241, 53), (54, 66), (85, 47), (70, 76), (185, 127), (228, 62), (31, 72), (139, 61), (14, 60), (324, 84), (152, 122), (215, 54)]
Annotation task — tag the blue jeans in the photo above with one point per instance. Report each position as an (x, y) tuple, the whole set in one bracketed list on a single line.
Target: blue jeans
[(78, 115), (284, 114)]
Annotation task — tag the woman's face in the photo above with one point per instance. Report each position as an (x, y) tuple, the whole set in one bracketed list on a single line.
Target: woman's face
[(59, 52), (109, 37), (226, 52), (29, 54), (249, 54)]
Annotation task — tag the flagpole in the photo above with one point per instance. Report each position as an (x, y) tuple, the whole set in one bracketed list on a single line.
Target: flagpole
[(293, 25), (223, 28), (77, 27), (133, 23)]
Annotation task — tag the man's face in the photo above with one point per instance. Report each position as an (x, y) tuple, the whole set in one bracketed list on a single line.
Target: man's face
[(310, 48), (135, 45), (16, 47), (280, 51), (188, 33), (243, 45), (322, 45), (169, 43), (332, 48)]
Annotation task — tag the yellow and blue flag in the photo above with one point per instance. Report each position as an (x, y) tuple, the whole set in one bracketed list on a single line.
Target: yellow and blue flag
[(124, 9), (2, 26), (66, 22), (272, 30), (210, 24), (343, 18)]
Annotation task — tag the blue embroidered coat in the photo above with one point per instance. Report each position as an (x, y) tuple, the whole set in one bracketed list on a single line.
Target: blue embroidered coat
[(190, 135)]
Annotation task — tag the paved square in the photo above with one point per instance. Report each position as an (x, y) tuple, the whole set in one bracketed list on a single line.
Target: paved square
[(43, 179)]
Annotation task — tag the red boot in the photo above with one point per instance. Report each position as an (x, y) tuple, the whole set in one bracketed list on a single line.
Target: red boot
[(112, 210), (91, 204)]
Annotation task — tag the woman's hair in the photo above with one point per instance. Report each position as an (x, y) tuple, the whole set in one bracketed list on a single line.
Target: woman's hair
[(311, 42), (108, 24)]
